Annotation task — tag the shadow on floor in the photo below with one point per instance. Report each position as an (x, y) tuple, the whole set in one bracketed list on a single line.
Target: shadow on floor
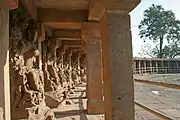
[(81, 111), (69, 113), (81, 107), (73, 98)]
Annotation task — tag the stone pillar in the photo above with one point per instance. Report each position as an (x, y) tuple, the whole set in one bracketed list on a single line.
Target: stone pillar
[(117, 66), (79, 68), (62, 59), (134, 66), (70, 68), (40, 56), (78, 59), (168, 67), (157, 67), (55, 58), (145, 68), (163, 68), (151, 69), (139, 66), (5, 112), (94, 83), (177, 66)]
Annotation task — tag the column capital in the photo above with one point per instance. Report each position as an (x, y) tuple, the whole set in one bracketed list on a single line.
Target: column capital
[(91, 31)]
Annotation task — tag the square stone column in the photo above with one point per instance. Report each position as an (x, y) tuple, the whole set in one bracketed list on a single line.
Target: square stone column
[(157, 70), (117, 66), (145, 67), (91, 37), (5, 112), (94, 74), (151, 69)]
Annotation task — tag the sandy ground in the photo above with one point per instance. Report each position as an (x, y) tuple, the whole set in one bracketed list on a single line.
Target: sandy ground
[(163, 100)]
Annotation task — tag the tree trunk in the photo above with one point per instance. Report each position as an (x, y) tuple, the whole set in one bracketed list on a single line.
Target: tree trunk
[(161, 45)]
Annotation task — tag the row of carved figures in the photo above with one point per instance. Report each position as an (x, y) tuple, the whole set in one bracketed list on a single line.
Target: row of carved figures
[(29, 82)]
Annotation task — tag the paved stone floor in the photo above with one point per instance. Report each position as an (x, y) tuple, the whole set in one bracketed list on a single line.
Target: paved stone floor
[(161, 99), (77, 110)]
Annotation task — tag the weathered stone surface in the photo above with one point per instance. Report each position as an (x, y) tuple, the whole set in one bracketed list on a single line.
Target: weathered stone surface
[(4, 61), (117, 66), (27, 80), (51, 100), (94, 83)]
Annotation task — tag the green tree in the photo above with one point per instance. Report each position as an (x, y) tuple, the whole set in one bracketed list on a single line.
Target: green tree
[(158, 25)]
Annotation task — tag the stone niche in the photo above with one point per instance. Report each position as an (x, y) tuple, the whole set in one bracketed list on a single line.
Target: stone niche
[(27, 80)]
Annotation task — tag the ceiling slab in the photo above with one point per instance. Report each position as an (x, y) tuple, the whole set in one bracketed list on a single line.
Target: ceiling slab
[(54, 15), (66, 42), (63, 4)]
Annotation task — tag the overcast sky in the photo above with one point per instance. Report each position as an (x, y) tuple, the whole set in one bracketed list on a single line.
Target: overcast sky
[(137, 16)]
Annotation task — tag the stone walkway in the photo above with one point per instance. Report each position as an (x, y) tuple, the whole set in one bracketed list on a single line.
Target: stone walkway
[(161, 99), (77, 110)]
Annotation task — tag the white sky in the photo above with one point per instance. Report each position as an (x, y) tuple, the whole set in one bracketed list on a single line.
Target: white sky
[(137, 16)]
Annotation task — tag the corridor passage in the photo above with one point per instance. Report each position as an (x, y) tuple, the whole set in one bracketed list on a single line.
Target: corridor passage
[(77, 109)]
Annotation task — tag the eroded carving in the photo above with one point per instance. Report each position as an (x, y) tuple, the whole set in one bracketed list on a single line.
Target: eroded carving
[(27, 80)]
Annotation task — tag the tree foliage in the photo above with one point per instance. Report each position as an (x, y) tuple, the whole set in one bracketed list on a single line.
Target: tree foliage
[(160, 25)]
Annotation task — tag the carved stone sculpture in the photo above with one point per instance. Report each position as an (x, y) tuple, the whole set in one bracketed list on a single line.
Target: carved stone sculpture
[(27, 80)]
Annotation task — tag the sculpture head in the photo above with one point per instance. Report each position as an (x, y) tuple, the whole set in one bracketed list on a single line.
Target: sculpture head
[(36, 53)]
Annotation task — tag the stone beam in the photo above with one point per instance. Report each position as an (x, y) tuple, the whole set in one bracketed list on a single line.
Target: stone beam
[(67, 42), (54, 15), (72, 46), (120, 5), (96, 11), (67, 34), (63, 4), (91, 30), (75, 49), (5, 110), (64, 25)]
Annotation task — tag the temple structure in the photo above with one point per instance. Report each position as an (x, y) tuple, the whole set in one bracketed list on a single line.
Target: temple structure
[(49, 46), (156, 66)]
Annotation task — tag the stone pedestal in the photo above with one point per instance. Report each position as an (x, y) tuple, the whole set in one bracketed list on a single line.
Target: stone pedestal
[(117, 66), (95, 104), (5, 112)]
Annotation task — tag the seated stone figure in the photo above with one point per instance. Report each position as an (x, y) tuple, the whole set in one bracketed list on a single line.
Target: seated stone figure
[(29, 92), (52, 80), (62, 75)]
